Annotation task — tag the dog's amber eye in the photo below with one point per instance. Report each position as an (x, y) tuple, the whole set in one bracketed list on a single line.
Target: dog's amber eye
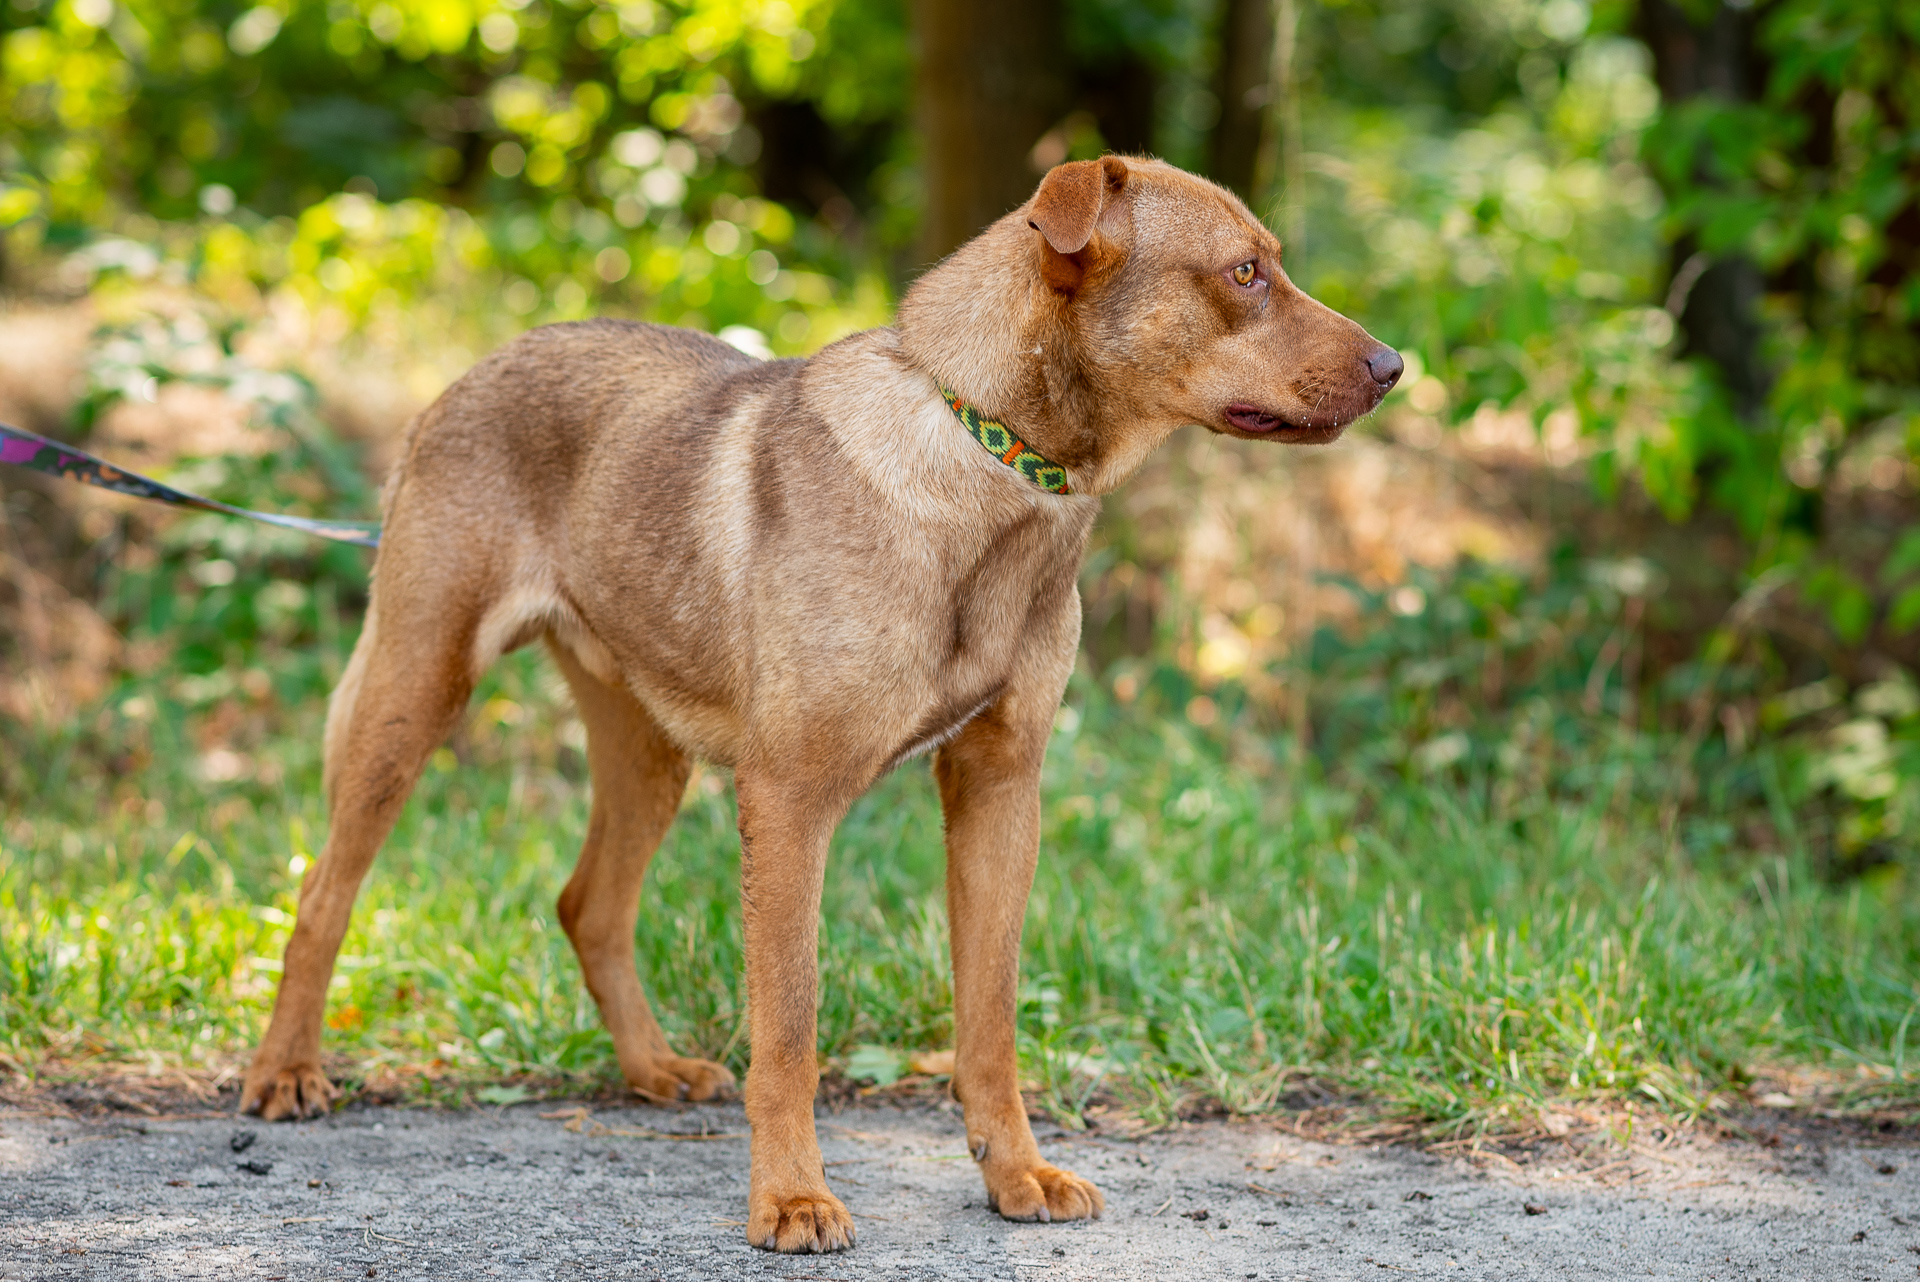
[(1245, 273)]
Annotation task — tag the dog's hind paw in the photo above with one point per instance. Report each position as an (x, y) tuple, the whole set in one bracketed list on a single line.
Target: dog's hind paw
[(1045, 1193), (808, 1224), (289, 1094), (672, 1078)]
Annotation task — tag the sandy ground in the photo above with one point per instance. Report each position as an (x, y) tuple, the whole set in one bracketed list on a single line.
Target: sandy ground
[(393, 1193)]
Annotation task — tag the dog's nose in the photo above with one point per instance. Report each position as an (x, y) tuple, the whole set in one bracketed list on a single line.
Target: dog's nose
[(1386, 367)]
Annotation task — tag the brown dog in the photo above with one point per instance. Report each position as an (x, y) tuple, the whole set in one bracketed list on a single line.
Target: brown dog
[(811, 571)]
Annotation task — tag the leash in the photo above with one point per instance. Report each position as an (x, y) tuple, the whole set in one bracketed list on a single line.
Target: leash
[(25, 449)]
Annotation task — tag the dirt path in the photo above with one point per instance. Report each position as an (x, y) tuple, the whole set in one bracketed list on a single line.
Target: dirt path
[(392, 1193)]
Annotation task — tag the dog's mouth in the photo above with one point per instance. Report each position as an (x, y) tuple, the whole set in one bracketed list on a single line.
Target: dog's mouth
[(1254, 421), (1251, 418)]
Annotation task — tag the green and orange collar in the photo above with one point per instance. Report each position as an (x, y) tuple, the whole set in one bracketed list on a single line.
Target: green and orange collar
[(1000, 441)]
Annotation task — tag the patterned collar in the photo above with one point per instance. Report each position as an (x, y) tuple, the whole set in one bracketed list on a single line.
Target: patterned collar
[(1000, 442)]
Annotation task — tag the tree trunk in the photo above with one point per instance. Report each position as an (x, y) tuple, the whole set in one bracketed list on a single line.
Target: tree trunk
[(1242, 82), (993, 77), (1715, 298), (1120, 96)]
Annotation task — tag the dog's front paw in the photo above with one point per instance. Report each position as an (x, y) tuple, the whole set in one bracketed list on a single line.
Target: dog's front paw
[(287, 1094), (801, 1224), (1044, 1193), (672, 1078)]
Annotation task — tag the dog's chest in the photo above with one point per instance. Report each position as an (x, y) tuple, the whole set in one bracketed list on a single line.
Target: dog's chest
[(993, 619)]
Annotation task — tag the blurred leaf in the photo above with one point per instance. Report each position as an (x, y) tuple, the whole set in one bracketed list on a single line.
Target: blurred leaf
[(877, 1064)]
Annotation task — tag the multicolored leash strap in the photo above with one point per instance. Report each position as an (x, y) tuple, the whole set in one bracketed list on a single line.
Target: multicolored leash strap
[(24, 449)]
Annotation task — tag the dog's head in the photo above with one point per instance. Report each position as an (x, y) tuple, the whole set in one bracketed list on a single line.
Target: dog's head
[(1173, 275), (1146, 295)]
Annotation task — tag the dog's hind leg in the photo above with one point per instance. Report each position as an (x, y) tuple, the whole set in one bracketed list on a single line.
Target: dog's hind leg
[(639, 777), (410, 676)]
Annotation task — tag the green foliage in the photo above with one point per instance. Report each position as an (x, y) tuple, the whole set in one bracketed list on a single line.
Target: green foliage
[(561, 158), (1816, 184), (1452, 59), (1503, 222), (1513, 257), (149, 103), (228, 601)]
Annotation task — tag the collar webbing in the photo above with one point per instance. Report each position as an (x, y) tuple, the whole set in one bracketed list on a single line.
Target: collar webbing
[(1000, 442)]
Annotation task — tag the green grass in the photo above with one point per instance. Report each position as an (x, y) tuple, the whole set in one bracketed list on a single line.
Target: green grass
[(1217, 913)]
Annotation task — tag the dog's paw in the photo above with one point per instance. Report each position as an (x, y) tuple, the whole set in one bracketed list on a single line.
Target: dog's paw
[(1044, 1193), (672, 1078), (809, 1223), (288, 1094)]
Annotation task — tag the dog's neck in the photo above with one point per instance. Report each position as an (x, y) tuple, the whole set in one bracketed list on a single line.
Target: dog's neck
[(1007, 343)]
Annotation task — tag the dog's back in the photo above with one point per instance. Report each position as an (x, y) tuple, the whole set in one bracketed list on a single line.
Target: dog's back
[(507, 441)]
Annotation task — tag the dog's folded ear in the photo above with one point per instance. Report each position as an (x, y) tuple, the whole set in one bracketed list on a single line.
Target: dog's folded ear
[(1066, 212)]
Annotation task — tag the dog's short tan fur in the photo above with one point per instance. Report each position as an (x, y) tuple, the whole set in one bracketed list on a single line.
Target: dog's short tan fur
[(807, 570)]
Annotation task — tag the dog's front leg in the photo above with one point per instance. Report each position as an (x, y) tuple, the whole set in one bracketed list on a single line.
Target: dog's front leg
[(785, 828), (990, 792)]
